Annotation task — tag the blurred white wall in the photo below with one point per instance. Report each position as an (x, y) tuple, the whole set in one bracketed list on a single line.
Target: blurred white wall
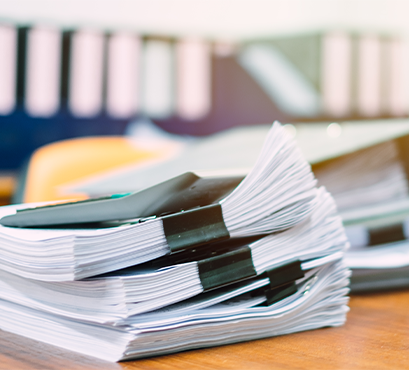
[(232, 19)]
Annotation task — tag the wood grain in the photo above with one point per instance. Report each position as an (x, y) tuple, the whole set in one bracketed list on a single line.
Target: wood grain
[(376, 336)]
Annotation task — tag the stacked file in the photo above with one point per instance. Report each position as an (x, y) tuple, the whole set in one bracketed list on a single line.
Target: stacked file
[(365, 168), (189, 263), (371, 188), (379, 254)]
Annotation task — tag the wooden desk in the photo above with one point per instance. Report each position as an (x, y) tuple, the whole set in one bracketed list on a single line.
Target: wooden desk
[(376, 336)]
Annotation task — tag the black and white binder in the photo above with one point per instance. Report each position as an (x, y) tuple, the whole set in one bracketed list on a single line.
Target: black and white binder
[(43, 72), (8, 45)]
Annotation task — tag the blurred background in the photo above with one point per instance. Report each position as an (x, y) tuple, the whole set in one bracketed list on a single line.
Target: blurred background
[(79, 68)]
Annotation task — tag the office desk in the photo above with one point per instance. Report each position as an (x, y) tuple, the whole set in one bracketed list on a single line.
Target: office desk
[(376, 336)]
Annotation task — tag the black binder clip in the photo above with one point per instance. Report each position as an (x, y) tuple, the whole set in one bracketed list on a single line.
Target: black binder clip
[(282, 282), (386, 234), (226, 268), (195, 227), (277, 294)]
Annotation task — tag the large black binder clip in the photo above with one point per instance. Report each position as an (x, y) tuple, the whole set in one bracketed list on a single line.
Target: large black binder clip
[(285, 274), (195, 227), (226, 268), (386, 234), (282, 282), (277, 294), (237, 265)]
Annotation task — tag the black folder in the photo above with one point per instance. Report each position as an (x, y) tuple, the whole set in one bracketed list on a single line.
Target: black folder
[(180, 193)]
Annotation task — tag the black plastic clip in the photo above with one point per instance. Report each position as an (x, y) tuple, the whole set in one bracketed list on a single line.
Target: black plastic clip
[(282, 281), (187, 229), (285, 274), (386, 234), (277, 294), (226, 268)]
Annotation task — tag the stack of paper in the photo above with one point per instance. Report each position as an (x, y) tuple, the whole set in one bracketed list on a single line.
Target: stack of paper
[(252, 260), (365, 167), (379, 254), (370, 186), (223, 152)]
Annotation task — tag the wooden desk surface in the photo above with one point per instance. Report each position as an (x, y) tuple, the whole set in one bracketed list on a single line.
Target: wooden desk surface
[(376, 336)]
